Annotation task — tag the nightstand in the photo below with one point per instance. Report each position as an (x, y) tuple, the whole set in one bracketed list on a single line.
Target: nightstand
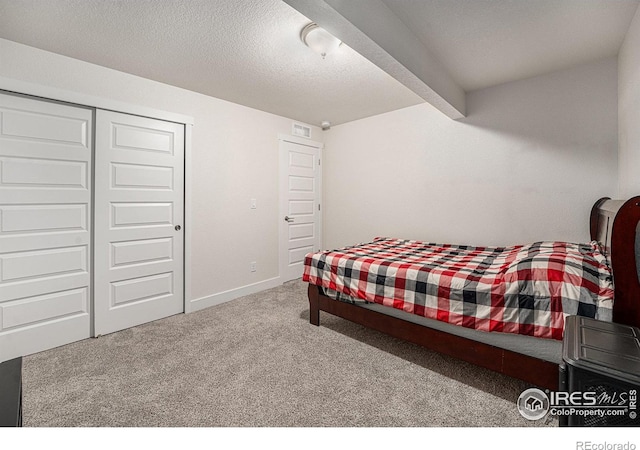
[(601, 358)]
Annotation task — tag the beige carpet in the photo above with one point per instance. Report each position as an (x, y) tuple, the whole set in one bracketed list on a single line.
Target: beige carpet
[(257, 361)]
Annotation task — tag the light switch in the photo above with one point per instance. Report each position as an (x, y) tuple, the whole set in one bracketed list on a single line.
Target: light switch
[(253, 203)]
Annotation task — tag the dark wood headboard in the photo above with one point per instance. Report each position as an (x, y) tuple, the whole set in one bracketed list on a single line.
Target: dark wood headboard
[(614, 223)]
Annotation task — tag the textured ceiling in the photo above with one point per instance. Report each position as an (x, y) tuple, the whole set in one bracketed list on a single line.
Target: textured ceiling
[(245, 51), (249, 51), (487, 42)]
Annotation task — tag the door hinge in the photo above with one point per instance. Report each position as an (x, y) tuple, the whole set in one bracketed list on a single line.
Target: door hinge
[(318, 206), (318, 161)]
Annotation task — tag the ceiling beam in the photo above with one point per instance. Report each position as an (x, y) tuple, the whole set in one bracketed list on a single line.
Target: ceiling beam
[(373, 30)]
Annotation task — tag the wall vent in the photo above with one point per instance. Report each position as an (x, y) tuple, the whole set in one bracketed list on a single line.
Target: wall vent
[(301, 130)]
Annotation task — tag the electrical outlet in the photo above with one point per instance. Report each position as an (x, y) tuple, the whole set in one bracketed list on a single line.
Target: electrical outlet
[(253, 266), (253, 203)]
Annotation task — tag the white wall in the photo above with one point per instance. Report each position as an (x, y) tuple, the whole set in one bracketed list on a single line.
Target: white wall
[(234, 159), (629, 111), (526, 164)]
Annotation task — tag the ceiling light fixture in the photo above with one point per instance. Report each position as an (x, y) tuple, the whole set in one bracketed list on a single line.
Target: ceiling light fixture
[(319, 40)]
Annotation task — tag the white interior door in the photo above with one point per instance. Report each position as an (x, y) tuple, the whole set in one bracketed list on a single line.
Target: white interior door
[(300, 208), (45, 223), (139, 210)]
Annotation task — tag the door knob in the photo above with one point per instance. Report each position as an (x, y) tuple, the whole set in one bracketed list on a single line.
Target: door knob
[(288, 219), (178, 227)]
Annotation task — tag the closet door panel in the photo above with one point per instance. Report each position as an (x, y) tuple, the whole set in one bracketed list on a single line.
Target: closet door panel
[(139, 195), (45, 224)]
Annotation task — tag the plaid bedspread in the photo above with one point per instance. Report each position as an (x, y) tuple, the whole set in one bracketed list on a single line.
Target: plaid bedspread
[(525, 289)]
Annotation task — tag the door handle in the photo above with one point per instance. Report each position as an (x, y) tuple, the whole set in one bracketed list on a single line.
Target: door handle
[(288, 219), (178, 227)]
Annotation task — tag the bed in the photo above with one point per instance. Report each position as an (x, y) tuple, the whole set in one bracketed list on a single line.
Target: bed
[(531, 353)]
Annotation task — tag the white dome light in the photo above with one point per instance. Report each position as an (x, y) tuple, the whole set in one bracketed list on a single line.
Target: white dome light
[(319, 40)]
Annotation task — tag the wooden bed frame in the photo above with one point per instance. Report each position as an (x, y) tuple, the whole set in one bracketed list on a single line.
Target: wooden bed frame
[(613, 223)]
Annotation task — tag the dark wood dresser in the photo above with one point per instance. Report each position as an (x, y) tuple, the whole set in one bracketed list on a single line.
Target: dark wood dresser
[(11, 393)]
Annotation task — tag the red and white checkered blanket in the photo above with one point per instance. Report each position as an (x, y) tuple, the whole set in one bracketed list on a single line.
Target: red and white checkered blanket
[(523, 289)]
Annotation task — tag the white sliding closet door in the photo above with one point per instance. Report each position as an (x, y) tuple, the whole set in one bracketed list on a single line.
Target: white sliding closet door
[(139, 204), (45, 223)]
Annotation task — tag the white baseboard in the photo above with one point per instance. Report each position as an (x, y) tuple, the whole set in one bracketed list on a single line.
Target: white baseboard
[(222, 297)]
